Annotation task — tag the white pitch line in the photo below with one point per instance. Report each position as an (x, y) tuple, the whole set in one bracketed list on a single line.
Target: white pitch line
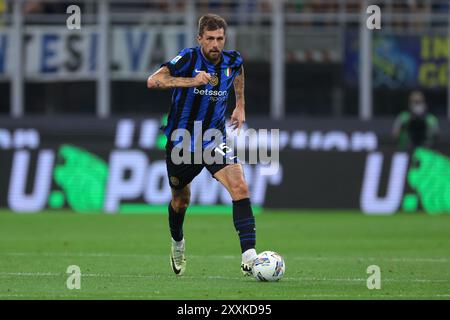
[(152, 294), (30, 274), (79, 254), (300, 279), (364, 280), (444, 260), (103, 255), (149, 255)]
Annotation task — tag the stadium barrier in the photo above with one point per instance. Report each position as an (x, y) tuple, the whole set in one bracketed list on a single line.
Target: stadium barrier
[(118, 166)]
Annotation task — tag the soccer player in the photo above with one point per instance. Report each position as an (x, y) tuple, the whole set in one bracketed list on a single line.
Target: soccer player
[(201, 79)]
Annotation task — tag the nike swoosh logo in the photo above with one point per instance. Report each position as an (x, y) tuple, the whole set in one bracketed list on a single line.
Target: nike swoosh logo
[(197, 70), (233, 157), (177, 271)]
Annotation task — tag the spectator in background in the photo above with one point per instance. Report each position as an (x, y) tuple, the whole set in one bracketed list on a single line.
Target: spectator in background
[(422, 8), (42, 6), (416, 127), (417, 16)]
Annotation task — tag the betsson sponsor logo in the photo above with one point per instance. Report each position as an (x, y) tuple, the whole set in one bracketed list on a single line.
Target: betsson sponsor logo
[(207, 92)]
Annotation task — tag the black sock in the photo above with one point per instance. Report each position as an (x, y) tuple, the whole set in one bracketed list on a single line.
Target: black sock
[(244, 222), (176, 220)]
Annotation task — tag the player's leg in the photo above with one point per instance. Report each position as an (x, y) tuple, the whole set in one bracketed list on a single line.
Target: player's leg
[(177, 210), (232, 177), (180, 176)]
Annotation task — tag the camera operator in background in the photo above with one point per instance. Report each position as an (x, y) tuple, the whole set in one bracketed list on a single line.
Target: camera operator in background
[(416, 127)]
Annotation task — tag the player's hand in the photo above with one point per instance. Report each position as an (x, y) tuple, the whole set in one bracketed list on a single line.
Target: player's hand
[(202, 78), (237, 119)]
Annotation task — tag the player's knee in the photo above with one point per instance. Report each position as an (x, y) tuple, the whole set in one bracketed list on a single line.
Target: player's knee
[(239, 189), (181, 202), (181, 199)]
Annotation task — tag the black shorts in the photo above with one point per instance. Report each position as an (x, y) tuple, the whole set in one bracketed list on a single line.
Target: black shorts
[(180, 175)]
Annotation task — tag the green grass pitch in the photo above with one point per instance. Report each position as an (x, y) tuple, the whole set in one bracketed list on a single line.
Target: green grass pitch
[(126, 256)]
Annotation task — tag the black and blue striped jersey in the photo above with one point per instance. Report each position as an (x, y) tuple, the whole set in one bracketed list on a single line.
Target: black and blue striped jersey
[(206, 103)]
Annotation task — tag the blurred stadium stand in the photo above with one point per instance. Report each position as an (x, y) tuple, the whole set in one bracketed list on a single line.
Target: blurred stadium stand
[(314, 71)]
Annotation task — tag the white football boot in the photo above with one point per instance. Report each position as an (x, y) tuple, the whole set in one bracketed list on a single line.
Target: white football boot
[(248, 259), (177, 258)]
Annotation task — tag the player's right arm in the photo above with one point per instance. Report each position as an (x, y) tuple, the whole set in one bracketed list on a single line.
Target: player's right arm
[(162, 79)]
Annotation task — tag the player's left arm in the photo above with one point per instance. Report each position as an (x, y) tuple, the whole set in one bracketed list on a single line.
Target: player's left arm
[(238, 116)]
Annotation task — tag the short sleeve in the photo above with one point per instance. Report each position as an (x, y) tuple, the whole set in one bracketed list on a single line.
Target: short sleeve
[(179, 64), (238, 62)]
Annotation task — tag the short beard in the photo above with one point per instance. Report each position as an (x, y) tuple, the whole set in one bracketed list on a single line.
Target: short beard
[(212, 59)]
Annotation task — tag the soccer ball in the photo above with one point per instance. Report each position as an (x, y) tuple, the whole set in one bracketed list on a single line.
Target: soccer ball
[(268, 266)]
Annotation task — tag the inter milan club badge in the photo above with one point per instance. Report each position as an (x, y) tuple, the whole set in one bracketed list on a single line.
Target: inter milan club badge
[(214, 80)]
